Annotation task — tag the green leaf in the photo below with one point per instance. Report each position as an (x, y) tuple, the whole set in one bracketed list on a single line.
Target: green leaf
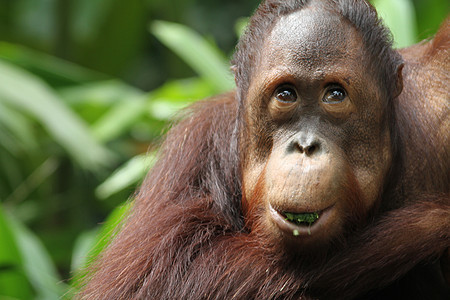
[(8, 141), (106, 92), (104, 236), (402, 25), (110, 228), (46, 66), (203, 57), (183, 90), (240, 26), (34, 180), (127, 175), (111, 107), (431, 15), (163, 109), (175, 95), (19, 126), (119, 118), (36, 262), (29, 94), (83, 244), (13, 282)]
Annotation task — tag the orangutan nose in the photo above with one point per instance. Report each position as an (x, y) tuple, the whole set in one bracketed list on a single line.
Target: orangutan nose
[(308, 144)]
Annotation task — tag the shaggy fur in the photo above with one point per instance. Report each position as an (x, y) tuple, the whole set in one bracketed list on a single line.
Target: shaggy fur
[(186, 237)]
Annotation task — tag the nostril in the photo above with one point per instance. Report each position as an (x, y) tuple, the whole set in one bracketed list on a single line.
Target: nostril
[(307, 144), (300, 148), (311, 149), (308, 149)]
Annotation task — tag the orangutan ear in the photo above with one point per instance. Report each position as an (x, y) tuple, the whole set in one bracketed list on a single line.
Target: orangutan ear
[(399, 84)]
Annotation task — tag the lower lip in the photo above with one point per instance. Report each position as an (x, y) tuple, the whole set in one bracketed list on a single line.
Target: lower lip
[(300, 230)]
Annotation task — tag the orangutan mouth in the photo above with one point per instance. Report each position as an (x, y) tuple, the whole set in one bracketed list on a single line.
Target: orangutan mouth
[(301, 219), (301, 223)]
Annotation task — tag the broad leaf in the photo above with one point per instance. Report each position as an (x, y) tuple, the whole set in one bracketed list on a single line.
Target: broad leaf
[(32, 96), (203, 57)]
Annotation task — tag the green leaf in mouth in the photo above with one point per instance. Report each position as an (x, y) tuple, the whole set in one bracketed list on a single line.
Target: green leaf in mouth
[(302, 218)]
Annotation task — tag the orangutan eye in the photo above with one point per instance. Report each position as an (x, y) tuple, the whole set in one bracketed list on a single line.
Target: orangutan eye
[(286, 95), (334, 95)]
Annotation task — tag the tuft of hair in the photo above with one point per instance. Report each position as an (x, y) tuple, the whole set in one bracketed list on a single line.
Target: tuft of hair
[(362, 15)]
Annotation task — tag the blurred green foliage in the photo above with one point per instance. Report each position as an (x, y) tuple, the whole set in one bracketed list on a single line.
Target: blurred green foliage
[(86, 89)]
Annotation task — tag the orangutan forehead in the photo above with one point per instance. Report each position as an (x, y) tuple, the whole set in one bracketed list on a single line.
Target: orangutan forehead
[(312, 35)]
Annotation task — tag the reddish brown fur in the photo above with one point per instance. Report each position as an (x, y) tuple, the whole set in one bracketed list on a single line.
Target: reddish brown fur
[(186, 238)]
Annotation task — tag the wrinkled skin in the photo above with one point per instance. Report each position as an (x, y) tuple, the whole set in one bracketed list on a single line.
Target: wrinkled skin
[(313, 55)]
